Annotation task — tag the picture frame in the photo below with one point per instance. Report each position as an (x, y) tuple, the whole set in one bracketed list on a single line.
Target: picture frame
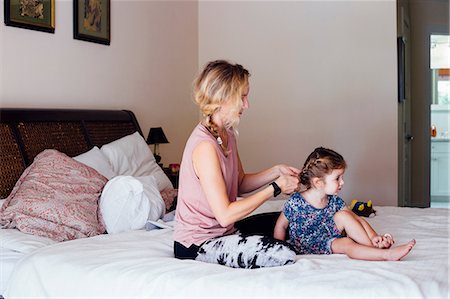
[(92, 21), (30, 14)]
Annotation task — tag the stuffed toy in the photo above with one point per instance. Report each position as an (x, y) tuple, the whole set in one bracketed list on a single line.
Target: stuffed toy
[(361, 208)]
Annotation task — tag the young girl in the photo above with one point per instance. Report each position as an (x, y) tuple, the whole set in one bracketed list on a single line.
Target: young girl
[(320, 223)]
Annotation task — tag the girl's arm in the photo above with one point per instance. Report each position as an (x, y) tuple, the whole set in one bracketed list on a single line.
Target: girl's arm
[(207, 168), (281, 226), (249, 182)]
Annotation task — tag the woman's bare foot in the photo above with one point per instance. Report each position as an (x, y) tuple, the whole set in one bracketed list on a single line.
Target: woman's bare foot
[(396, 253)]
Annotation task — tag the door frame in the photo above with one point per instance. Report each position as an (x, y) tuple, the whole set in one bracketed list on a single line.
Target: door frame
[(426, 18), (404, 109), (421, 116)]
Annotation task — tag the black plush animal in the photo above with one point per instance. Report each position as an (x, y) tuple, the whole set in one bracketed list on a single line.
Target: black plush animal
[(361, 208)]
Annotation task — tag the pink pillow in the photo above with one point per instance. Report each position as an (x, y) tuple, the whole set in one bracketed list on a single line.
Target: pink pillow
[(55, 197)]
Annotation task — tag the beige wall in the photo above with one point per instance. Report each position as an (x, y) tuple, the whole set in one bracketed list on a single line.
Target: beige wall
[(148, 68), (323, 74)]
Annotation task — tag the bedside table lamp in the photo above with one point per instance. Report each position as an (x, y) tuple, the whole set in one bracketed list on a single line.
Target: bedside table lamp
[(156, 136)]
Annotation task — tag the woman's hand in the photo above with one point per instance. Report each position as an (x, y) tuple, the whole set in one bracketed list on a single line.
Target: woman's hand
[(288, 179), (288, 183), (287, 170)]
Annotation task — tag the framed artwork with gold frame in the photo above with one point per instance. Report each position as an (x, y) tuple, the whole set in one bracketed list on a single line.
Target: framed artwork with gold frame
[(91, 21), (31, 14)]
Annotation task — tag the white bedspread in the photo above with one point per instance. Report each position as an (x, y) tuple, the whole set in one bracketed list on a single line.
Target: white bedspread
[(13, 246), (141, 264)]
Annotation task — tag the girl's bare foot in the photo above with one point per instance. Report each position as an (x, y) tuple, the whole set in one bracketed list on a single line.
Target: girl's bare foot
[(396, 253)]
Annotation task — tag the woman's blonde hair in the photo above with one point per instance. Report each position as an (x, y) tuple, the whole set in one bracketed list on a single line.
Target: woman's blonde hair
[(219, 82), (320, 162)]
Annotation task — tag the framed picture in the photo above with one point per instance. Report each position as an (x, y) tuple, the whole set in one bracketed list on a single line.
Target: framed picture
[(91, 21), (31, 14)]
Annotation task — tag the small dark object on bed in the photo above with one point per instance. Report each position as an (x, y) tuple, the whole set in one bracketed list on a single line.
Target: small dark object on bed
[(364, 209)]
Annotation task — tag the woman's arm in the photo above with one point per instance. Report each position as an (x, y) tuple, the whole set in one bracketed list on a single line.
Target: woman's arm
[(249, 182), (281, 226), (207, 167)]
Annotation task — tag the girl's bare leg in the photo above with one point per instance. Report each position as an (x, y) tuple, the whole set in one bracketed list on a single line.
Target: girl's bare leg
[(345, 221), (362, 252)]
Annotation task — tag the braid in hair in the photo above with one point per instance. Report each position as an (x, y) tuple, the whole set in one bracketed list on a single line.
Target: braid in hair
[(211, 126), (214, 130), (320, 162)]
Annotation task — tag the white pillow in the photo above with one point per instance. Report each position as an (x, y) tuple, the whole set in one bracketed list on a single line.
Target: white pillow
[(128, 202), (97, 160), (123, 205), (131, 155), (157, 206)]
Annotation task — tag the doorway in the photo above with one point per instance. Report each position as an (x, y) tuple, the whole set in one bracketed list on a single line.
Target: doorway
[(440, 118), (426, 18)]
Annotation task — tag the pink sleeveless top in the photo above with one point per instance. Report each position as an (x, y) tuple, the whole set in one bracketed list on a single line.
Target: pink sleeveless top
[(195, 222)]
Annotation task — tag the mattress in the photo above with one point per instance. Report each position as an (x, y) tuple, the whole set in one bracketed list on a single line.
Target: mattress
[(140, 264)]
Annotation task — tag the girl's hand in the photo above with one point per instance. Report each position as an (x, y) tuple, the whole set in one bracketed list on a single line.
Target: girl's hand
[(287, 170), (388, 240), (385, 241), (376, 241), (288, 183)]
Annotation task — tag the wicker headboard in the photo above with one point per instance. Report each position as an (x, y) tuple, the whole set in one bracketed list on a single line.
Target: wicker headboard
[(24, 133)]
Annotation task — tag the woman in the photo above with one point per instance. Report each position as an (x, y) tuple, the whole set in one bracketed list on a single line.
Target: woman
[(211, 173)]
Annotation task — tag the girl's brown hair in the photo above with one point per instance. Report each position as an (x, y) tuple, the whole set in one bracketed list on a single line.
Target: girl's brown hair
[(320, 162)]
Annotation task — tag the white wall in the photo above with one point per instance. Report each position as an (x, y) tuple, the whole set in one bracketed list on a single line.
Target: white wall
[(148, 68), (323, 74)]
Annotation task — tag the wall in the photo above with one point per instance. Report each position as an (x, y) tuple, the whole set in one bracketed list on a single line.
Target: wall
[(148, 68), (431, 16), (323, 74)]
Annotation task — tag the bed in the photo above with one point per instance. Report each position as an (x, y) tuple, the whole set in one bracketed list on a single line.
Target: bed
[(24, 133), (140, 263)]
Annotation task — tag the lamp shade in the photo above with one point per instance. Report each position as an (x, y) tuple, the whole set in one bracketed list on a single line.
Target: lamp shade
[(156, 136)]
